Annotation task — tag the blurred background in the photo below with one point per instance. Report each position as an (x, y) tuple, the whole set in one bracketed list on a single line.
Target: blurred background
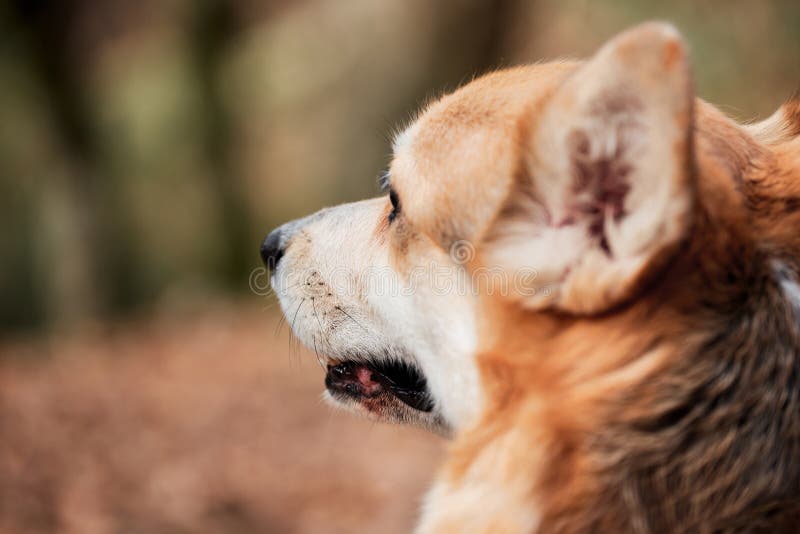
[(146, 148)]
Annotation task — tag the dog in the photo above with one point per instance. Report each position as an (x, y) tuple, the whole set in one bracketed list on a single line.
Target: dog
[(587, 277)]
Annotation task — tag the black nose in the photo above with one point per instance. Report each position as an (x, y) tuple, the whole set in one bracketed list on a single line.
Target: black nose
[(272, 249)]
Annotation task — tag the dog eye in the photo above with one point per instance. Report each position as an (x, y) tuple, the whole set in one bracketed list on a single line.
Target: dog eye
[(395, 200)]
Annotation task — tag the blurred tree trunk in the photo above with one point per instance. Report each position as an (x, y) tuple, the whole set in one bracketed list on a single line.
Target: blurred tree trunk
[(65, 259), (474, 33), (214, 26)]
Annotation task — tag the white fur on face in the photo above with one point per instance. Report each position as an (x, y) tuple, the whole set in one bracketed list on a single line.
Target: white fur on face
[(343, 299)]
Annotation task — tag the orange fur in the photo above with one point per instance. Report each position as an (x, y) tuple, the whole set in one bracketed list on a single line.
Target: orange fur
[(559, 379), (650, 382)]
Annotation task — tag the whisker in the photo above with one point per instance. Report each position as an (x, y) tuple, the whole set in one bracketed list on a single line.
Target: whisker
[(351, 318), (319, 358), (281, 323), (314, 337), (279, 326), (294, 286), (314, 307), (294, 341), (294, 317)]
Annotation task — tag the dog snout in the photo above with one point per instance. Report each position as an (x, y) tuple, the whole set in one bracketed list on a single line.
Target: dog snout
[(272, 249), (274, 246)]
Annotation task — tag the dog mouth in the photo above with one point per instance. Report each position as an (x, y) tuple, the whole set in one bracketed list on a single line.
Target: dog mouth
[(362, 381)]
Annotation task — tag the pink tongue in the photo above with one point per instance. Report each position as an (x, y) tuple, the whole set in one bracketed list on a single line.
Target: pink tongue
[(365, 378)]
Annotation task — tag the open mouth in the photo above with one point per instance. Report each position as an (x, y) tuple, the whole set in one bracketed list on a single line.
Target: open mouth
[(359, 380)]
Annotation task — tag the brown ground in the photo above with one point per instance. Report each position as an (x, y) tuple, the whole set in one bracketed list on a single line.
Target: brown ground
[(206, 425)]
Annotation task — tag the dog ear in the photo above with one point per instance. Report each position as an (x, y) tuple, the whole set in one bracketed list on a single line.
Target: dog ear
[(606, 190)]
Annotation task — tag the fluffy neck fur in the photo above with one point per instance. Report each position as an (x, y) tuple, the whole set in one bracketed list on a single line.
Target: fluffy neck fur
[(679, 411)]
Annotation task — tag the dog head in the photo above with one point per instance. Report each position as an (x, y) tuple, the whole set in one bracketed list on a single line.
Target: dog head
[(559, 189)]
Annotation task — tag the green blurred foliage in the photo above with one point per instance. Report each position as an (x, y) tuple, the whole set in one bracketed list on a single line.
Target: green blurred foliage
[(146, 147)]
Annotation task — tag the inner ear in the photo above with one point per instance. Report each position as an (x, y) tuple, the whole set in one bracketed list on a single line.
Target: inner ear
[(601, 162), (606, 188)]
